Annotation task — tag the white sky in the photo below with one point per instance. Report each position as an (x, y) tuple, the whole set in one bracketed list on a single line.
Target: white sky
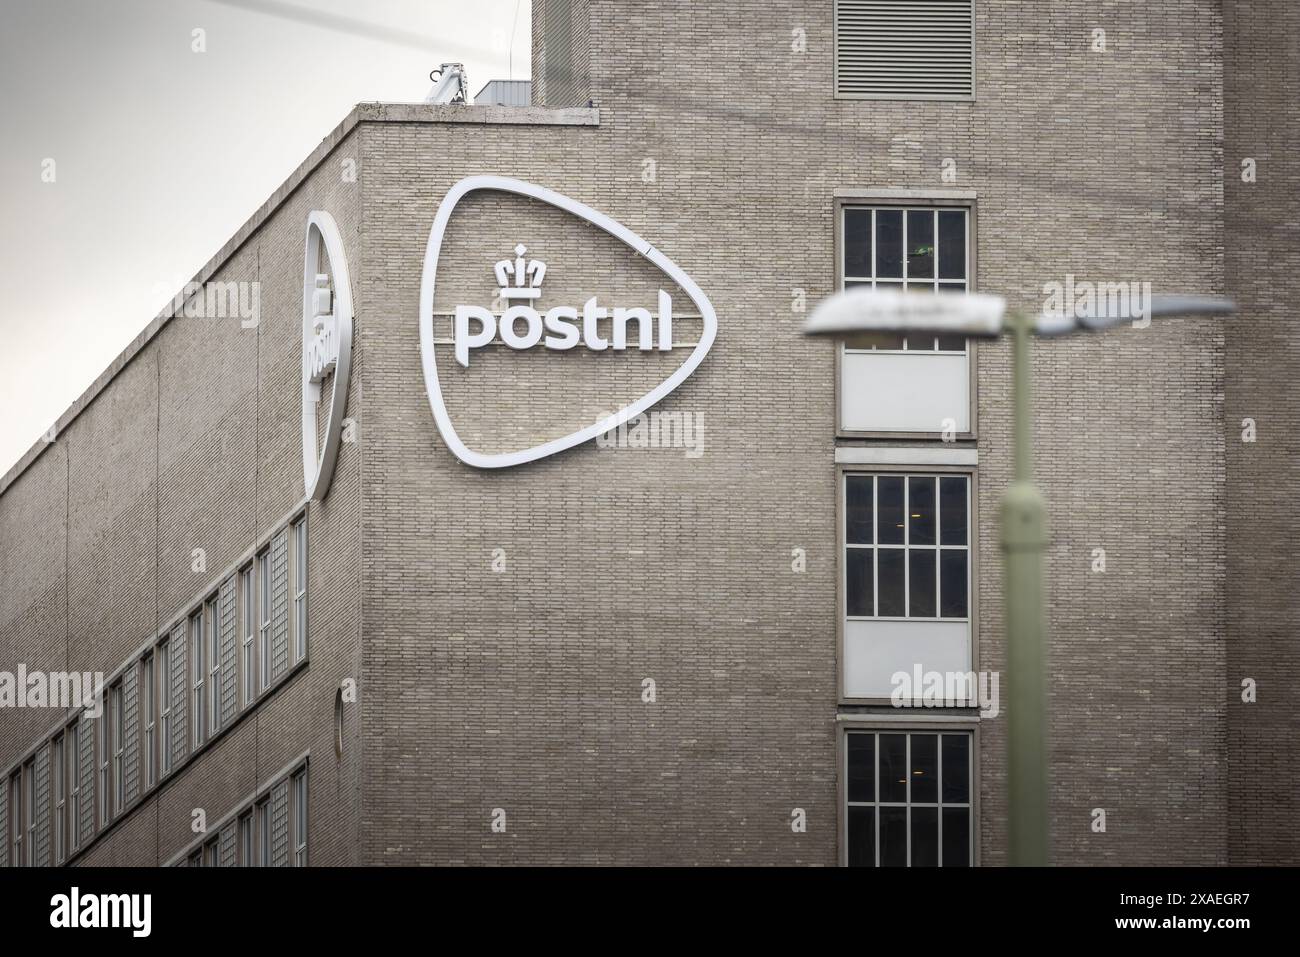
[(162, 153)]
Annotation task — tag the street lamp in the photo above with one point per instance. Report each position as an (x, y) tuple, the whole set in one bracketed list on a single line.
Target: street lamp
[(1024, 520)]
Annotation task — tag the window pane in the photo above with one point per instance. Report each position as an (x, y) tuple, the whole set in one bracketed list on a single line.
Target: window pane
[(862, 837), (952, 343), (857, 242), (889, 243), (889, 510), (874, 340), (890, 601), (956, 837), (920, 243), (857, 507), (952, 506), (925, 837), (862, 767), (921, 585), (925, 768), (956, 759), (920, 502), (893, 837), (858, 583), (952, 571), (952, 244), (893, 768), (920, 343)]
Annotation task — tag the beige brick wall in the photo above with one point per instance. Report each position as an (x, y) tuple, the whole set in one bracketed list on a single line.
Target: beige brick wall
[(521, 690)]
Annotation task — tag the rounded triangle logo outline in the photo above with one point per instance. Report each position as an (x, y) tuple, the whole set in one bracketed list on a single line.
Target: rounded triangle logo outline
[(428, 357)]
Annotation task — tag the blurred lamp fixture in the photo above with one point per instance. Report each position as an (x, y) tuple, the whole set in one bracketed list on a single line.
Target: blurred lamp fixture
[(1024, 519)]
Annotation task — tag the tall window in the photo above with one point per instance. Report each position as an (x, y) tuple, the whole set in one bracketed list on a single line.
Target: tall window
[(909, 799), (102, 740), (214, 667), (264, 619), (16, 826), (300, 819), (165, 707), (210, 853), (29, 811), (59, 769), (890, 382), (246, 839), (263, 811), (147, 742), (917, 250), (247, 632), (299, 589), (119, 751), (74, 786), (907, 546), (198, 709)]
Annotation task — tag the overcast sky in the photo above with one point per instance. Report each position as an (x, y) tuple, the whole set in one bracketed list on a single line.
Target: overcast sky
[(161, 153)]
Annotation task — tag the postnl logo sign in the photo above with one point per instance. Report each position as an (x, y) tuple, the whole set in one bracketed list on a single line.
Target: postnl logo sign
[(523, 325)]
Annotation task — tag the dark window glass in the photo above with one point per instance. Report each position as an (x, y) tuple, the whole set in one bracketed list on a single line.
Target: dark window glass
[(862, 767), (920, 507), (952, 244), (956, 837), (862, 837), (952, 343), (889, 243), (893, 768), (952, 572), (858, 582), (925, 837), (920, 243), (952, 508), (893, 837), (857, 242), (925, 768), (857, 507), (920, 343), (890, 602), (921, 585), (889, 514), (956, 759)]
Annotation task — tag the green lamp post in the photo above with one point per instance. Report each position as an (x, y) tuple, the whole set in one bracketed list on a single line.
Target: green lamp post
[(1024, 514)]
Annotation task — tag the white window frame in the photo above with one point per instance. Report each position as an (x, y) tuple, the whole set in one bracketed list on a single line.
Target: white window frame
[(906, 547), (244, 835), (248, 634), (58, 764), (197, 670), (264, 619), (148, 691), (102, 740), (72, 741), (164, 662), (262, 831), (16, 824), (117, 737), (299, 789), (211, 616), (29, 819), (299, 538)]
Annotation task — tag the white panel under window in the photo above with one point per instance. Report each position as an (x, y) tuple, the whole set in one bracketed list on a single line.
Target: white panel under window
[(904, 392), (875, 650)]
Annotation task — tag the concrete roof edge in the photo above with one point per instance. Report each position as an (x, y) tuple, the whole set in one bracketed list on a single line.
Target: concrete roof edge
[(360, 113)]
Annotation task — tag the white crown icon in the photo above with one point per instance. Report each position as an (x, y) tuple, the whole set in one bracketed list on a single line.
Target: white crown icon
[(530, 271)]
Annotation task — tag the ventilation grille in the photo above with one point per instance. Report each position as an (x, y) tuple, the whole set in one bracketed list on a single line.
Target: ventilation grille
[(903, 49)]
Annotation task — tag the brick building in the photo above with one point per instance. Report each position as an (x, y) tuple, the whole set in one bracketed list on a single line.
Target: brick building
[(684, 654)]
